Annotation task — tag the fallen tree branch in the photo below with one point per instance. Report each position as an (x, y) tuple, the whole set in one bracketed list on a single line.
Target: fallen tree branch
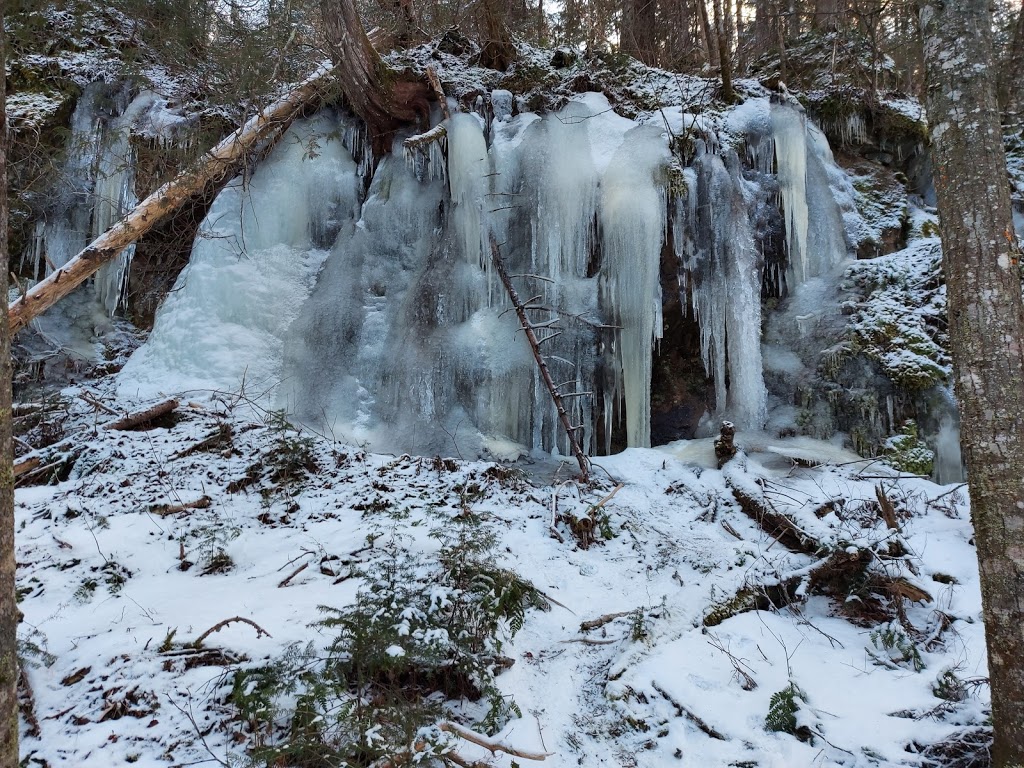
[(27, 465), (421, 140), (215, 167), (138, 418), (292, 575), (600, 621), (97, 404), (524, 322), (690, 715), (260, 631), (492, 745), (169, 509)]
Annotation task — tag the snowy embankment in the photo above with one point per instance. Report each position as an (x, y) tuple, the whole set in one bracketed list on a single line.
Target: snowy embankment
[(162, 534)]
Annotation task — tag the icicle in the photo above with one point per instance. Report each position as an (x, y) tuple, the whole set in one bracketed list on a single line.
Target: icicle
[(633, 219), (788, 132), (468, 169)]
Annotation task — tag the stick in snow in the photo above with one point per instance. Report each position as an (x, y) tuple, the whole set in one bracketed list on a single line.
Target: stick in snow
[(527, 327), (216, 166)]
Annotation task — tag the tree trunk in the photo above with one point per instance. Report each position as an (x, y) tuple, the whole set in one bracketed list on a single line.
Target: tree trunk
[(710, 46), (384, 100), (1011, 74), (9, 666), (724, 53), (216, 167), (986, 329), (497, 51)]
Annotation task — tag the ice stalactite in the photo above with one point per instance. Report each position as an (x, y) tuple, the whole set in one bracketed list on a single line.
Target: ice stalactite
[(114, 195), (633, 222), (716, 248), (468, 171), (789, 136)]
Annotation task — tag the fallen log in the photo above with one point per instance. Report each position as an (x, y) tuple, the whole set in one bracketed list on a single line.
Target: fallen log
[(216, 167), (138, 418)]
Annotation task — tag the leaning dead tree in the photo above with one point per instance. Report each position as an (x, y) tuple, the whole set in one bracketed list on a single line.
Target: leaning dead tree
[(215, 167), (545, 374)]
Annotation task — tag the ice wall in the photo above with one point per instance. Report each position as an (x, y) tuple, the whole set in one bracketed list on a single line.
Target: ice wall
[(254, 263)]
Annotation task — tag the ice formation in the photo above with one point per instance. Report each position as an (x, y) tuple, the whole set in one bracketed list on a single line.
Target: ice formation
[(377, 316), (253, 264)]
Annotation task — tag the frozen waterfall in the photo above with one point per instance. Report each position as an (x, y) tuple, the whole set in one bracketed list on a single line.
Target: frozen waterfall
[(375, 314)]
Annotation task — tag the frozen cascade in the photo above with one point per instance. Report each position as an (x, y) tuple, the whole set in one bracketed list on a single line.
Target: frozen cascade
[(260, 247), (633, 223), (468, 170), (789, 136), (114, 196), (716, 248)]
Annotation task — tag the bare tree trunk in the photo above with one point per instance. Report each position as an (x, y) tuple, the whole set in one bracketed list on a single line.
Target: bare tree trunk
[(9, 665), (986, 329), (710, 46), (215, 167), (1011, 75), (497, 49), (380, 97), (724, 53)]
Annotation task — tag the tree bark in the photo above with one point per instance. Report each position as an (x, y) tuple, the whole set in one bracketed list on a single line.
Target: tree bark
[(9, 666), (216, 167), (986, 328), (382, 98), (709, 39), (636, 35)]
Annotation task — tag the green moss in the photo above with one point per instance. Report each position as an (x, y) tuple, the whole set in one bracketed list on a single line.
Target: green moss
[(908, 453)]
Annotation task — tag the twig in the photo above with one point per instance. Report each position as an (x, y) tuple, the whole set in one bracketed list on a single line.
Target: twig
[(588, 641), (260, 631), (293, 574), (97, 404)]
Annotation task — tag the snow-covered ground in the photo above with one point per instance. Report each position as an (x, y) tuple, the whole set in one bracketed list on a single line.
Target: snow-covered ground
[(115, 585)]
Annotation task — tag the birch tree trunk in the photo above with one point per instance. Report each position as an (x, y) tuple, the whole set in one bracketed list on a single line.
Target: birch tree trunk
[(986, 324), (9, 666)]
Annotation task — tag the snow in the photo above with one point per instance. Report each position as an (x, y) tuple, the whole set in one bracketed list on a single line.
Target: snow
[(103, 584)]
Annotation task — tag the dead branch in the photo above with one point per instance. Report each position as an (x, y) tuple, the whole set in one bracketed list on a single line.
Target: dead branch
[(524, 322), (606, 499), (260, 631), (682, 711), (435, 83), (492, 745), (600, 621), (97, 404), (26, 465), (421, 140), (215, 167), (292, 575), (775, 524), (133, 420), (169, 509)]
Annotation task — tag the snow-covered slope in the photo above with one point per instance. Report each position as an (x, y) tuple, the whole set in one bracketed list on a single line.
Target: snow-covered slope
[(120, 570)]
